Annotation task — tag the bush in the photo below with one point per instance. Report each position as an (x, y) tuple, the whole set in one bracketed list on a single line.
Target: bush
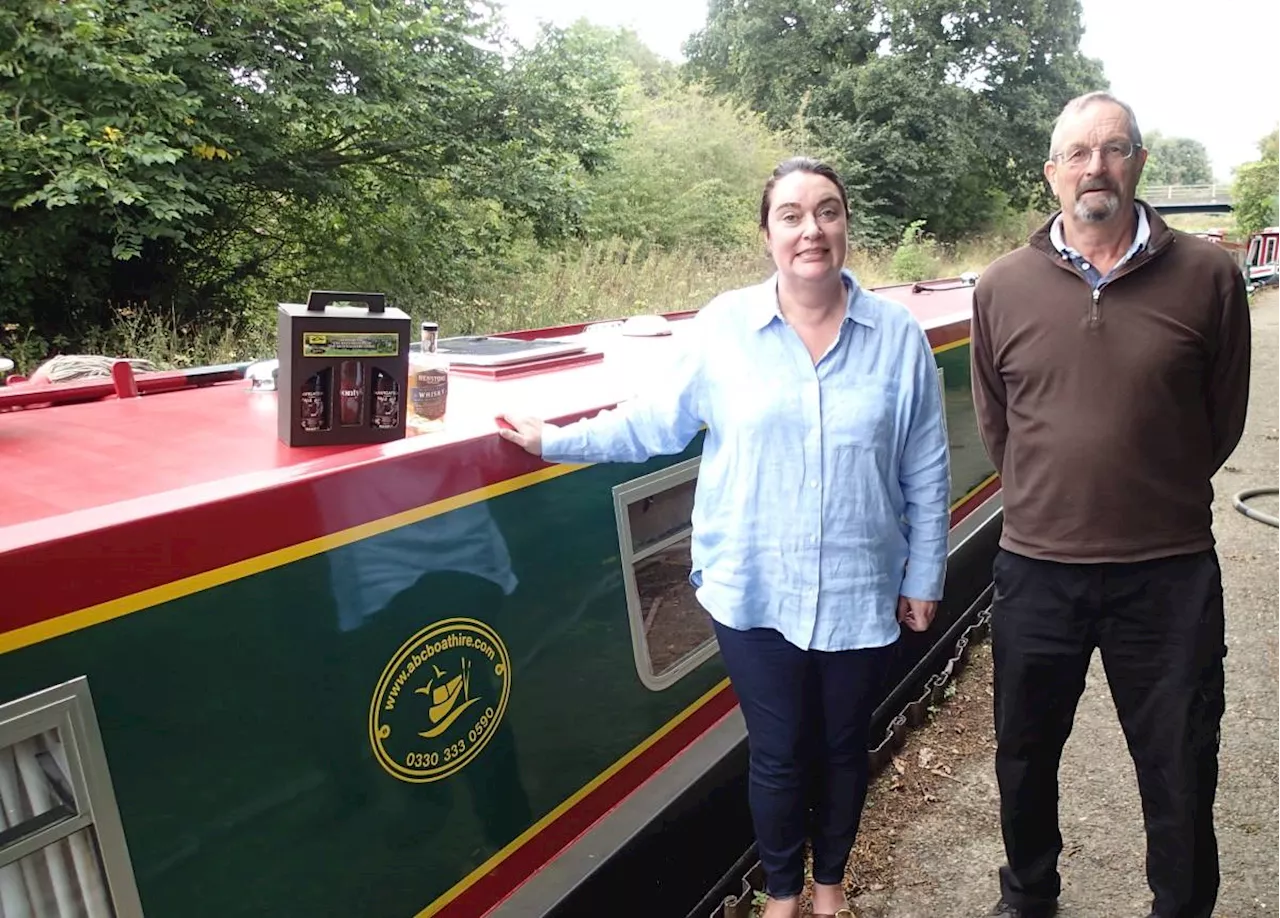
[(916, 257)]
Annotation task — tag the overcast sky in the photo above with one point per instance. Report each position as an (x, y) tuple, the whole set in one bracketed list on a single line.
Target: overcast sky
[(1208, 74)]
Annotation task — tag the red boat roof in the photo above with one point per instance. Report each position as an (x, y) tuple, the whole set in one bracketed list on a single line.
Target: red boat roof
[(77, 467)]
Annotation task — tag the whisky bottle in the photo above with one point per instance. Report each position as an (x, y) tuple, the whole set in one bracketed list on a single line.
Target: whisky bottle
[(429, 381), (386, 401), (313, 402), (351, 393)]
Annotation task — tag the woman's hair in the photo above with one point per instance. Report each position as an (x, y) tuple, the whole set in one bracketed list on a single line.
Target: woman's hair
[(799, 164)]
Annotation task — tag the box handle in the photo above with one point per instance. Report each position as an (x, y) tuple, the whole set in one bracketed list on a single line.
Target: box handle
[(317, 300)]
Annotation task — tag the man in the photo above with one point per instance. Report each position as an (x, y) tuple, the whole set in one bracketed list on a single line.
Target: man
[(1110, 376)]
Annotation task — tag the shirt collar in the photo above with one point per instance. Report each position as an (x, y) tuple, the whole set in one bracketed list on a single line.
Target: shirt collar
[(764, 306), (1141, 236)]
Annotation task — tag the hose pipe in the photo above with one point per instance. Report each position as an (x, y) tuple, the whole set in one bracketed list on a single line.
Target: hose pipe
[(1239, 498)]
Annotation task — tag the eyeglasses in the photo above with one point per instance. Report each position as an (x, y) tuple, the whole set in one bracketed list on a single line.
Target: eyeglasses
[(1113, 152)]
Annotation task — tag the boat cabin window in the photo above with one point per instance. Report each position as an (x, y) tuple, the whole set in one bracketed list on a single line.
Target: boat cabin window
[(1270, 257), (971, 469), (1255, 251), (62, 848), (671, 633)]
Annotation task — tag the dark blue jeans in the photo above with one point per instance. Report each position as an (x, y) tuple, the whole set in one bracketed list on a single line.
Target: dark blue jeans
[(807, 715)]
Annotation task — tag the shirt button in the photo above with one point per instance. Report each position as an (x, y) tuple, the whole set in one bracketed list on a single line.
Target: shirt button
[(813, 538), (814, 483)]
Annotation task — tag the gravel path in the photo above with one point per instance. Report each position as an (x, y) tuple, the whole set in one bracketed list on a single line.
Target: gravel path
[(930, 846)]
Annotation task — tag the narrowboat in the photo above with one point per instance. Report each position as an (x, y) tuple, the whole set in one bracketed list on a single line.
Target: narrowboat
[(1237, 250), (1261, 265), (429, 677)]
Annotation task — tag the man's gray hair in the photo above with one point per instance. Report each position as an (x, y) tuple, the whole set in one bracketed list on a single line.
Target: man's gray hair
[(1080, 103)]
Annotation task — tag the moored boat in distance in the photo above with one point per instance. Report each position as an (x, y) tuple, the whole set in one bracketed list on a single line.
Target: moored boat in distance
[(1262, 261), (431, 677)]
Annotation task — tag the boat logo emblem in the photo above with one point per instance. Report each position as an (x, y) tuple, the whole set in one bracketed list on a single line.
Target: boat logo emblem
[(439, 700)]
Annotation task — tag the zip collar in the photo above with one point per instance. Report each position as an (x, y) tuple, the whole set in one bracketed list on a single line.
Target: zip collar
[(1160, 239)]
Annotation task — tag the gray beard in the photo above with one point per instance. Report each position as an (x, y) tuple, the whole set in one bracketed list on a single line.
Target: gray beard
[(1098, 213)]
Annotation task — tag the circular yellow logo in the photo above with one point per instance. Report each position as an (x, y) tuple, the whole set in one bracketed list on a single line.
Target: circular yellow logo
[(439, 700)]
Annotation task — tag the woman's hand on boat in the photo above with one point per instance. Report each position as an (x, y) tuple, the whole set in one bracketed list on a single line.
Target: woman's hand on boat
[(522, 430), (917, 614)]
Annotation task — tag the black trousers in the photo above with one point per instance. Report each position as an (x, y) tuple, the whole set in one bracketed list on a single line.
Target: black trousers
[(807, 714), (1159, 625)]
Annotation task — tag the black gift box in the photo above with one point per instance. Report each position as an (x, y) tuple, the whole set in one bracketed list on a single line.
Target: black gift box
[(344, 369)]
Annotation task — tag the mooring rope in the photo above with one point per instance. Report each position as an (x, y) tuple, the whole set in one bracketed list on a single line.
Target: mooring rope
[(65, 367), (1239, 501)]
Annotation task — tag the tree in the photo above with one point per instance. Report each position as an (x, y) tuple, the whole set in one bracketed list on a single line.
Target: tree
[(909, 149), (177, 152), (688, 173), (1175, 161), (1269, 146), (937, 111), (773, 54), (432, 240), (1254, 190)]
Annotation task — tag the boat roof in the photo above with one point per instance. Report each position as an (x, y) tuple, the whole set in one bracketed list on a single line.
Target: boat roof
[(70, 468)]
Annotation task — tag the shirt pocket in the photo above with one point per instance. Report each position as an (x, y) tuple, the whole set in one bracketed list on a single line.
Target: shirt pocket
[(861, 413), (860, 421)]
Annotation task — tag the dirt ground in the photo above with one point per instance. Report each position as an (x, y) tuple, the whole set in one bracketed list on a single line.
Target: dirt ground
[(675, 625), (930, 846)]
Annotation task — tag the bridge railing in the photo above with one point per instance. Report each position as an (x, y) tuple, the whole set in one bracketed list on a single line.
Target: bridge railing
[(1215, 193)]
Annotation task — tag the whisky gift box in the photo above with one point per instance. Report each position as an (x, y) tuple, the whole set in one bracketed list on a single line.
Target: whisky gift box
[(343, 369)]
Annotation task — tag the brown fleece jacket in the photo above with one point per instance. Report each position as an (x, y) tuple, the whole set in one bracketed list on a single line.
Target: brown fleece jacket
[(1107, 415)]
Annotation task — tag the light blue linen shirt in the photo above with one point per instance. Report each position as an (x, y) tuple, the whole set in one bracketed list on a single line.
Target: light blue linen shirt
[(823, 490)]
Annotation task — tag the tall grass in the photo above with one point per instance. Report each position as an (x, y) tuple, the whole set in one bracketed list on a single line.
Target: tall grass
[(601, 280), (594, 281)]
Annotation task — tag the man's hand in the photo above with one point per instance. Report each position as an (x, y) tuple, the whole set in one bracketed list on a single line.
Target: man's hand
[(522, 430), (917, 614)]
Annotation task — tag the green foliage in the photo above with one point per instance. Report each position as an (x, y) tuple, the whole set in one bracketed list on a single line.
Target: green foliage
[(929, 106), (688, 172), (1254, 190), (1257, 196), (170, 171), (907, 147), (1269, 146), (775, 54), (916, 256), (186, 151), (1175, 161)]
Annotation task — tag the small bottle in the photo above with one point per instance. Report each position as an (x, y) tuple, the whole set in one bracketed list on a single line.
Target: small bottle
[(429, 381), (313, 402), (351, 393), (386, 401)]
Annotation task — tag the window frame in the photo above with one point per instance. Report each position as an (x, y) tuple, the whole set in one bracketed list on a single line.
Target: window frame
[(942, 402), (624, 495), (68, 707)]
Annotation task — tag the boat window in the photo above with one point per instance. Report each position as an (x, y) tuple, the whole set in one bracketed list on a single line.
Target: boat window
[(62, 848), (1255, 249), (971, 469), (1271, 250), (671, 633), (661, 516)]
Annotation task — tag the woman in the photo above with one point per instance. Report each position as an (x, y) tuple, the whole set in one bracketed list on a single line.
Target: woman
[(820, 517)]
